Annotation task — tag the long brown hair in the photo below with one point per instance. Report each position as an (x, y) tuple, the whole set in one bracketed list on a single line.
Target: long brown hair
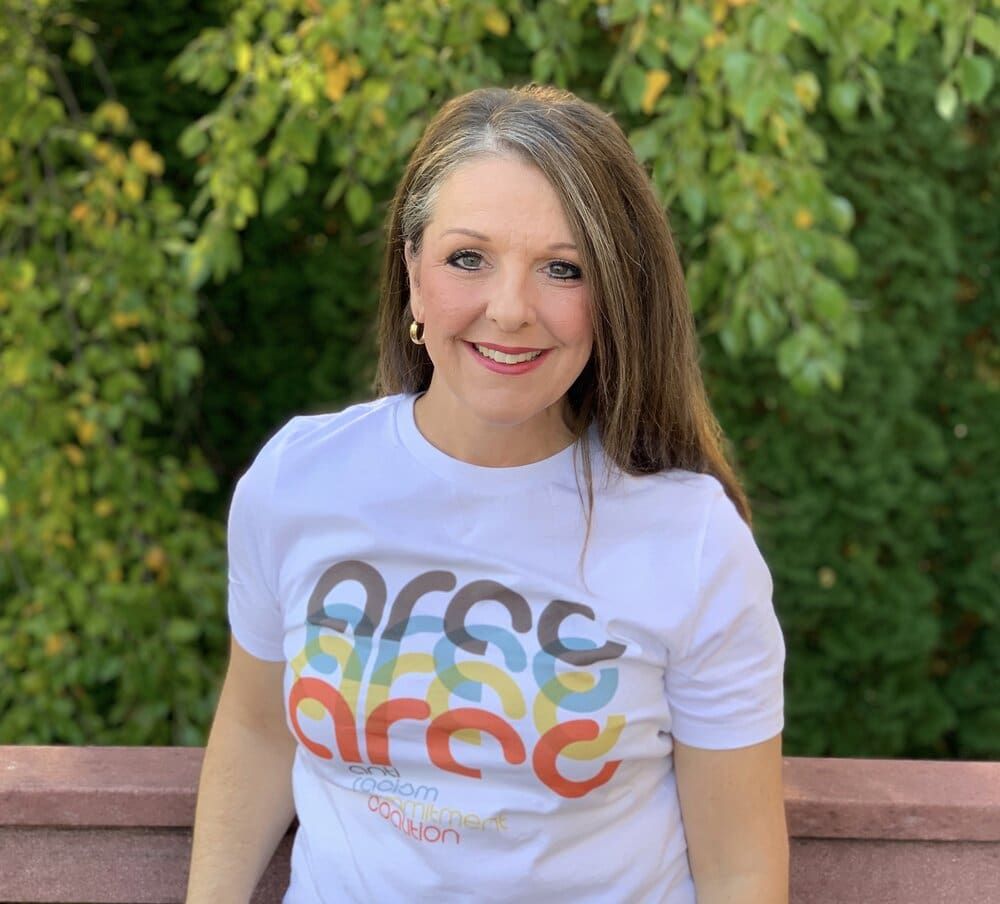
[(642, 387)]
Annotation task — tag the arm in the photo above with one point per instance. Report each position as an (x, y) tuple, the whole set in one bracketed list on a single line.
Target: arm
[(733, 808), (245, 793)]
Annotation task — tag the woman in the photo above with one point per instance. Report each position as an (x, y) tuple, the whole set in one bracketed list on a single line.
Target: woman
[(512, 608)]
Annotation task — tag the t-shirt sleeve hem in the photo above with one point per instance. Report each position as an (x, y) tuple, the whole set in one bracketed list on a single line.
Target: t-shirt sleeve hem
[(256, 647), (718, 737)]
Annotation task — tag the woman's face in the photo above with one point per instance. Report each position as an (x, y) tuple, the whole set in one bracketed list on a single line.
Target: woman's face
[(506, 311)]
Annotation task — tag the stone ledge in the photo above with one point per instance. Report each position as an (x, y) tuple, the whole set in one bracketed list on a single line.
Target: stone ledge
[(95, 824), (901, 800)]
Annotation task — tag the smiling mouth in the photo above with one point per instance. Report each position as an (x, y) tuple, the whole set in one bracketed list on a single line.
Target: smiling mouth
[(503, 357)]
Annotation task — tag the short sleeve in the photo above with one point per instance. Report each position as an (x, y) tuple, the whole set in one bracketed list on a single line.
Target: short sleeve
[(254, 609), (724, 685)]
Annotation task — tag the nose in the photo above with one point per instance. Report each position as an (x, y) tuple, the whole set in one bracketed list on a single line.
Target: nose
[(511, 303)]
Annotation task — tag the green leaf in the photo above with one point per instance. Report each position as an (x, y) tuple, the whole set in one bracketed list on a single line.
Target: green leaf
[(809, 23), (359, 202), (193, 140), (759, 102), (633, 86), (82, 49), (181, 631), (830, 302), (975, 78), (646, 142), (275, 195), (842, 213), (683, 50), (768, 34), (529, 31), (844, 257), (946, 100), (694, 201), (987, 32), (907, 38), (844, 98), (336, 189), (297, 177), (736, 66), (759, 327), (246, 200)]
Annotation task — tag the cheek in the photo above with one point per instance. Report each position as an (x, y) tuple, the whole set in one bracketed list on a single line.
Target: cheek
[(573, 322), (448, 303)]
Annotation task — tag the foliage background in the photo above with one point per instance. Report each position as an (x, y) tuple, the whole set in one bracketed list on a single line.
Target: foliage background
[(190, 222)]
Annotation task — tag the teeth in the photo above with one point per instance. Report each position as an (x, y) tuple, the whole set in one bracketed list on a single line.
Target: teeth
[(504, 358)]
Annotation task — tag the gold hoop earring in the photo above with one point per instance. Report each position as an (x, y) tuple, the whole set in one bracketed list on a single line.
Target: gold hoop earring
[(416, 333)]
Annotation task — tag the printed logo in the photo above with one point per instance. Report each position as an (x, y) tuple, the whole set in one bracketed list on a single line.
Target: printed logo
[(347, 669)]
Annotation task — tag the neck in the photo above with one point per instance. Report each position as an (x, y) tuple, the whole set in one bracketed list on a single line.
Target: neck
[(494, 445)]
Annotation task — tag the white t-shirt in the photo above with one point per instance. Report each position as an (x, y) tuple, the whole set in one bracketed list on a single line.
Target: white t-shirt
[(481, 715)]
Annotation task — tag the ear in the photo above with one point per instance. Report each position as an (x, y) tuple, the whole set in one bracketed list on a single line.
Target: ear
[(412, 260)]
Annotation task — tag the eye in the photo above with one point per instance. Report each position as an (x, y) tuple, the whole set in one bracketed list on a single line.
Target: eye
[(466, 260), (564, 270)]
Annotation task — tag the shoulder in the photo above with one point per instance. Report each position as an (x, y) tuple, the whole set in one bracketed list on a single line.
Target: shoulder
[(682, 503), (307, 439)]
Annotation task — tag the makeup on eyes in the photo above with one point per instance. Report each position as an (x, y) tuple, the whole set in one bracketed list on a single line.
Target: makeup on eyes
[(573, 275)]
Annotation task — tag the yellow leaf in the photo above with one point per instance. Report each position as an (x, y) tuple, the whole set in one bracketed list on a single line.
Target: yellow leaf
[(763, 186), (329, 55), (378, 116), (103, 508), (113, 114), (86, 432), (336, 81), (74, 454), (803, 218), (156, 559), (656, 81), (133, 189), (116, 164), (25, 277), (355, 66), (80, 212), (144, 355), (4, 507), (807, 90), (17, 369), (125, 320), (826, 577), (637, 37), (716, 39), (244, 57), (54, 644), (496, 22), (144, 157), (719, 11)]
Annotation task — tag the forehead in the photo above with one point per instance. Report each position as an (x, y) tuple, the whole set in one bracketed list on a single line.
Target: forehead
[(499, 193)]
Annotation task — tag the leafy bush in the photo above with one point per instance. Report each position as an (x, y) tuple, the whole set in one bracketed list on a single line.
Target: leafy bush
[(110, 582), (830, 192)]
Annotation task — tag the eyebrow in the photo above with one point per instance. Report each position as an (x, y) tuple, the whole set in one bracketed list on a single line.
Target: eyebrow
[(555, 246)]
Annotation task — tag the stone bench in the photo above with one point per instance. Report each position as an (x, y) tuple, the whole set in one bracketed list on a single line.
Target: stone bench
[(96, 824)]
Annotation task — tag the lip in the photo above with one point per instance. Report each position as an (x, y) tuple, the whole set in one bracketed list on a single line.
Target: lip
[(507, 349), (511, 370)]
